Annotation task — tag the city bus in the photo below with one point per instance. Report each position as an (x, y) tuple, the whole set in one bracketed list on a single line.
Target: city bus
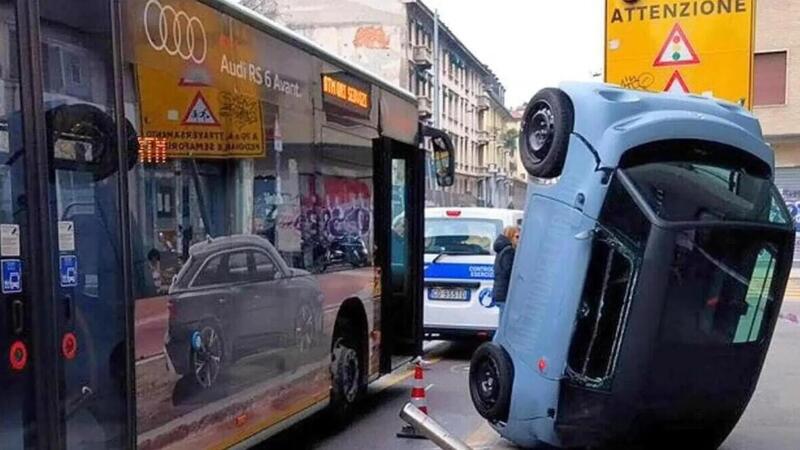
[(195, 215)]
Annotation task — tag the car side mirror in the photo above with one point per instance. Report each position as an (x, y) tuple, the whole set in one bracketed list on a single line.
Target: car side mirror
[(443, 155)]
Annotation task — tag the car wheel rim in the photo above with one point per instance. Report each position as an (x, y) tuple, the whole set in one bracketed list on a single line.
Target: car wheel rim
[(304, 328), (541, 129), (487, 382), (348, 370), (208, 357)]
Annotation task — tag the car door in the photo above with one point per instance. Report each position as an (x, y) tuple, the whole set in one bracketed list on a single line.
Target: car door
[(265, 300)]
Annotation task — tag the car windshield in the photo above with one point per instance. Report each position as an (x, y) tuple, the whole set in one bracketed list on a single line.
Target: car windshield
[(687, 192), (461, 236)]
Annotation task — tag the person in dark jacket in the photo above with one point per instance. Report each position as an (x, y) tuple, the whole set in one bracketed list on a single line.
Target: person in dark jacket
[(504, 248)]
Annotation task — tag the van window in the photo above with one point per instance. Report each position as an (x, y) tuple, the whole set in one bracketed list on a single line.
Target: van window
[(461, 236)]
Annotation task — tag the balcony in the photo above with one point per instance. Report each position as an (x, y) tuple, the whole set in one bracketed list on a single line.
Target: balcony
[(422, 56), (425, 106), (484, 102), (483, 137)]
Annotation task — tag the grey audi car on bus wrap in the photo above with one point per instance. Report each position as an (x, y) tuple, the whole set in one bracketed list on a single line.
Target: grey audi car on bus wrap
[(234, 297)]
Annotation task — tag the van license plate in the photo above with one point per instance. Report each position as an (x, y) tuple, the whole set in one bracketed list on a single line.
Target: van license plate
[(458, 294)]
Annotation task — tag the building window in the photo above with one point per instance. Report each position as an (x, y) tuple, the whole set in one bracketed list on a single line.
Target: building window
[(770, 79)]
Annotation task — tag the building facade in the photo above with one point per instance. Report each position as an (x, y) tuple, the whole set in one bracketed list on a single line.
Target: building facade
[(776, 95), (404, 42)]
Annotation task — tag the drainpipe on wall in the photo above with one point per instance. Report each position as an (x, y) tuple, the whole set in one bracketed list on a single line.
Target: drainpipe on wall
[(437, 86)]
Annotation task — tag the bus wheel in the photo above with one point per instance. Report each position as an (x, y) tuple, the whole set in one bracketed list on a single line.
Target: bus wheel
[(207, 353), (546, 129), (346, 372), (491, 375)]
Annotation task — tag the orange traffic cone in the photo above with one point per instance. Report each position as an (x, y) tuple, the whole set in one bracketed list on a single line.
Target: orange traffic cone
[(418, 400), (418, 391)]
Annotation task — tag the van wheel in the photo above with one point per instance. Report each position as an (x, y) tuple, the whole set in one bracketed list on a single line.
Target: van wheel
[(347, 380), (546, 128), (491, 375)]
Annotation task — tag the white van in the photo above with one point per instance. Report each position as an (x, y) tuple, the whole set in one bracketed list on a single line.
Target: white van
[(459, 270)]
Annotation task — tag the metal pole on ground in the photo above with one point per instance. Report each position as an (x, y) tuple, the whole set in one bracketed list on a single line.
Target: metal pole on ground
[(431, 429)]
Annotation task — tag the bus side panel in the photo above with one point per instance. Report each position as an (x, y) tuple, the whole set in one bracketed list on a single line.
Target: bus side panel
[(252, 225)]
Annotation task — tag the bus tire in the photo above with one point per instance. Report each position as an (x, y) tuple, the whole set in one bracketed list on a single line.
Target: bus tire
[(546, 128), (491, 376), (348, 382)]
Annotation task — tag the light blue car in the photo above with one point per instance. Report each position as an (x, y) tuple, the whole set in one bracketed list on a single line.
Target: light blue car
[(649, 276)]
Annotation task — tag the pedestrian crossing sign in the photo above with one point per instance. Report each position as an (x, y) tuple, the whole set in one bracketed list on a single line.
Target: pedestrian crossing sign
[(199, 113)]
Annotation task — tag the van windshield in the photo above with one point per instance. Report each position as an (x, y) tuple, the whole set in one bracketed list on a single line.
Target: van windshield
[(461, 236)]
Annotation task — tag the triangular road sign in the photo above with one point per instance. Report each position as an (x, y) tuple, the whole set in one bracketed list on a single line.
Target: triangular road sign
[(199, 113), (677, 50), (676, 85)]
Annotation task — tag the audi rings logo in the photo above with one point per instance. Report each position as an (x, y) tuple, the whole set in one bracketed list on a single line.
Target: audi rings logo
[(175, 32)]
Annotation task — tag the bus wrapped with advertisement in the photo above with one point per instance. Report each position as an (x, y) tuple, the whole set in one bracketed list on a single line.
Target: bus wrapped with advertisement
[(195, 206)]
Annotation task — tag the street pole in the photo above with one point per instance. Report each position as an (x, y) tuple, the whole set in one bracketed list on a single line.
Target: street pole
[(437, 86)]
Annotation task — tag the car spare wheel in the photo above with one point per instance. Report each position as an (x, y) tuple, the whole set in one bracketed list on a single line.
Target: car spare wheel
[(491, 375), (546, 128)]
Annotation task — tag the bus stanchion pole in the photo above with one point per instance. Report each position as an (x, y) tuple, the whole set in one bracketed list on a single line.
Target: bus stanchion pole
[(431, 429)]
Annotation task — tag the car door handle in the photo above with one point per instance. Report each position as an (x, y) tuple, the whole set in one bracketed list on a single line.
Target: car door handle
[(222, 301)]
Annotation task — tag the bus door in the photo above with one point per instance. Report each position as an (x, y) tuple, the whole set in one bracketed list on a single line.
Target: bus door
[(87, 250), (400, 204), (17, 416), (63, 307)]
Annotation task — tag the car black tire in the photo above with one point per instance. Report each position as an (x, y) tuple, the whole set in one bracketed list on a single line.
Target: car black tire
[(212, 352), (348, 382), (491, 376), (546, 128)]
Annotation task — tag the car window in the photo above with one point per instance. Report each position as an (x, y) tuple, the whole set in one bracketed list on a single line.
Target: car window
[(238, 270), (265, 267), (210, 273)]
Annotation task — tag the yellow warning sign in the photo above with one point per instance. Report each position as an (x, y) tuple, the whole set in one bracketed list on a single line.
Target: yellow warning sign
[(193, 120), (702, 46)]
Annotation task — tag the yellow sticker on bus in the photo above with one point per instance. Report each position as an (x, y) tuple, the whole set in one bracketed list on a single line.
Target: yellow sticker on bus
[(701, 47)]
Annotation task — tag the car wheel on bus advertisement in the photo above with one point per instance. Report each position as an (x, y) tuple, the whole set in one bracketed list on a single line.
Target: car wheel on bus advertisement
[(305, 328), (547, 126), (491, 375), (207, 353), (347, 380)]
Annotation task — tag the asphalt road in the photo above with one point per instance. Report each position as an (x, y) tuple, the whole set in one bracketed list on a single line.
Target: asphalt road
[(771, 422)]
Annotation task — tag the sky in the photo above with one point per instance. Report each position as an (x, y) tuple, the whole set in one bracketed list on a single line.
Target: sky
[(529, 44)]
